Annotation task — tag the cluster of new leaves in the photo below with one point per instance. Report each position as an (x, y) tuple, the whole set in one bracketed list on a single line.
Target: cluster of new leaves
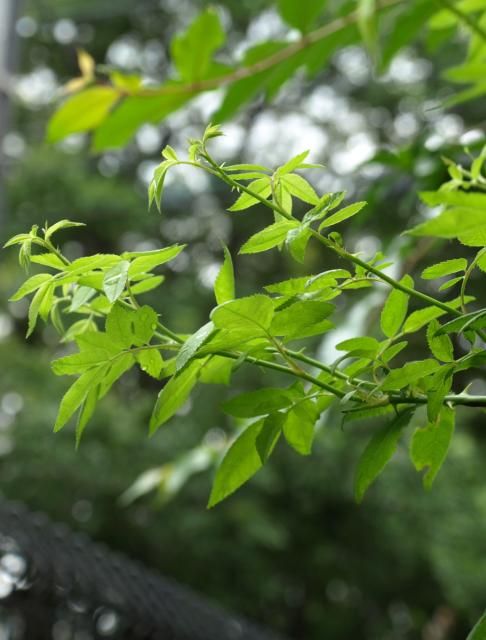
[(116, 333), (113, 105)]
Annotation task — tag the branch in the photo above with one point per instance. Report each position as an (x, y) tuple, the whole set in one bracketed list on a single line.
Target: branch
[(266, 64)]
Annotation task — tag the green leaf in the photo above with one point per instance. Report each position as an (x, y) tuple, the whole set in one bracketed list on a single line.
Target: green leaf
[(450, 283), (143, 261), (430, 445), (82, 112), (150, 362), (378, 453), (123, 122), (300, 188), (421, 317), (241, 461), (395, 309), (473, 320), (224, 285), (302, 16), (479, 631), (393, 351), (127, 327), (122, 363), (89, 340), (85, 413), (115, 280), (192, 50), (299, 426), (269, 237), (440, 345), (343, 214), (464, 218), (363, 344), (78, 328), (257, 403), (79, 362), (190, 347), (294, 286), (366, 413), (81, 295), (367, 23), (252, 314), (48, 260), (217, 370), (407, 24), (481, 262), (89, 263), (246, 89), (174, 394), (30, 285), (61, 224), (246, 167), (410, 373), (20, 238), (444, 268), (38, 300), (269, 435), (262, 187), (440, 385), (156, 185), (292, 164), (147, 284), (302, 319), (77, 392), (47, 303), (297, 240)]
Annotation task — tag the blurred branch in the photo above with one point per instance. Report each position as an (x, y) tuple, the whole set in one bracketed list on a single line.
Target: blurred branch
[(268, 63), (464, 17)]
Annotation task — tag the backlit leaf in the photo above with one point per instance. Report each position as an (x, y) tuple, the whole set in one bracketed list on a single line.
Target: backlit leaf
[(261, 186), (300, 188), (31, 284), (115, 280), (343, 214), (143, 261), (82, 112), (224, 285), (269, 237)]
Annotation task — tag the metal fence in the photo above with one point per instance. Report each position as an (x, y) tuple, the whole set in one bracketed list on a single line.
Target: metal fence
[(61, 586)]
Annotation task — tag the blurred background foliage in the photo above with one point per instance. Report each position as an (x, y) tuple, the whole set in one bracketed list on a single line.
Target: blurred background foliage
[(291, 549)]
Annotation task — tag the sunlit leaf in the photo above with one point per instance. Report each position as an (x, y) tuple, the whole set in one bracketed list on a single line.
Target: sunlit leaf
[(82, 112), (224, 285)]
